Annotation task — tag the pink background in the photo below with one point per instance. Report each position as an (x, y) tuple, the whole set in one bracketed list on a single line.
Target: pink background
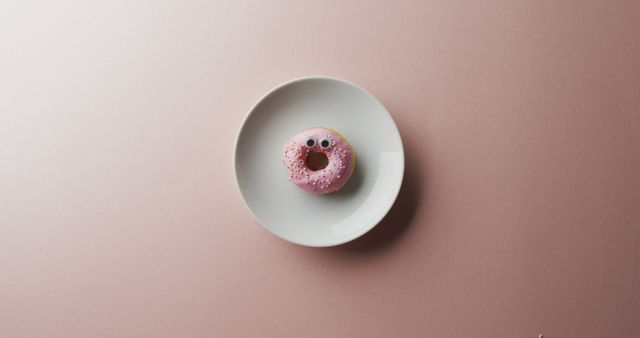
[(520, 212)]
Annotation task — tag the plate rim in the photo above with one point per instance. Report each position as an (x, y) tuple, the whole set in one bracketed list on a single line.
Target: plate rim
[(270, 92)]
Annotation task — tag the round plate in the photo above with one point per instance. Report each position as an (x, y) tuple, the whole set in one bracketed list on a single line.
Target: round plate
[(288, 211)]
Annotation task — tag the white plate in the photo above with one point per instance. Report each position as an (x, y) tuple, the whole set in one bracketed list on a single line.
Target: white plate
[(288, 211)]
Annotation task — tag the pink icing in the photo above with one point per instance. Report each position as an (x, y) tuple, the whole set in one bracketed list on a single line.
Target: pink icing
[(326, 180)]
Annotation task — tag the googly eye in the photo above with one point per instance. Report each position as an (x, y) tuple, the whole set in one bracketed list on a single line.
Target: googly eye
[(310, 142), (326, 143)]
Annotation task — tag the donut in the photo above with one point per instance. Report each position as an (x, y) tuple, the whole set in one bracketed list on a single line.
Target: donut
[(319, 160)]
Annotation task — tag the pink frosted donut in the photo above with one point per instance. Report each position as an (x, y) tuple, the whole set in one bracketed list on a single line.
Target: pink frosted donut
[(319, 160)]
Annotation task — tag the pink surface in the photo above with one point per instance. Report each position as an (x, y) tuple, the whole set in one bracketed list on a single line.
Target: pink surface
[(521, 209)]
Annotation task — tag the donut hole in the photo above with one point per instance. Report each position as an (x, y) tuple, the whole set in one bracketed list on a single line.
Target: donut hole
[(317, 160)]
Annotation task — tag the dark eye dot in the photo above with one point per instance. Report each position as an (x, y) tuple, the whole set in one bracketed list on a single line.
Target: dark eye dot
[(324, 143), (311, 142)]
